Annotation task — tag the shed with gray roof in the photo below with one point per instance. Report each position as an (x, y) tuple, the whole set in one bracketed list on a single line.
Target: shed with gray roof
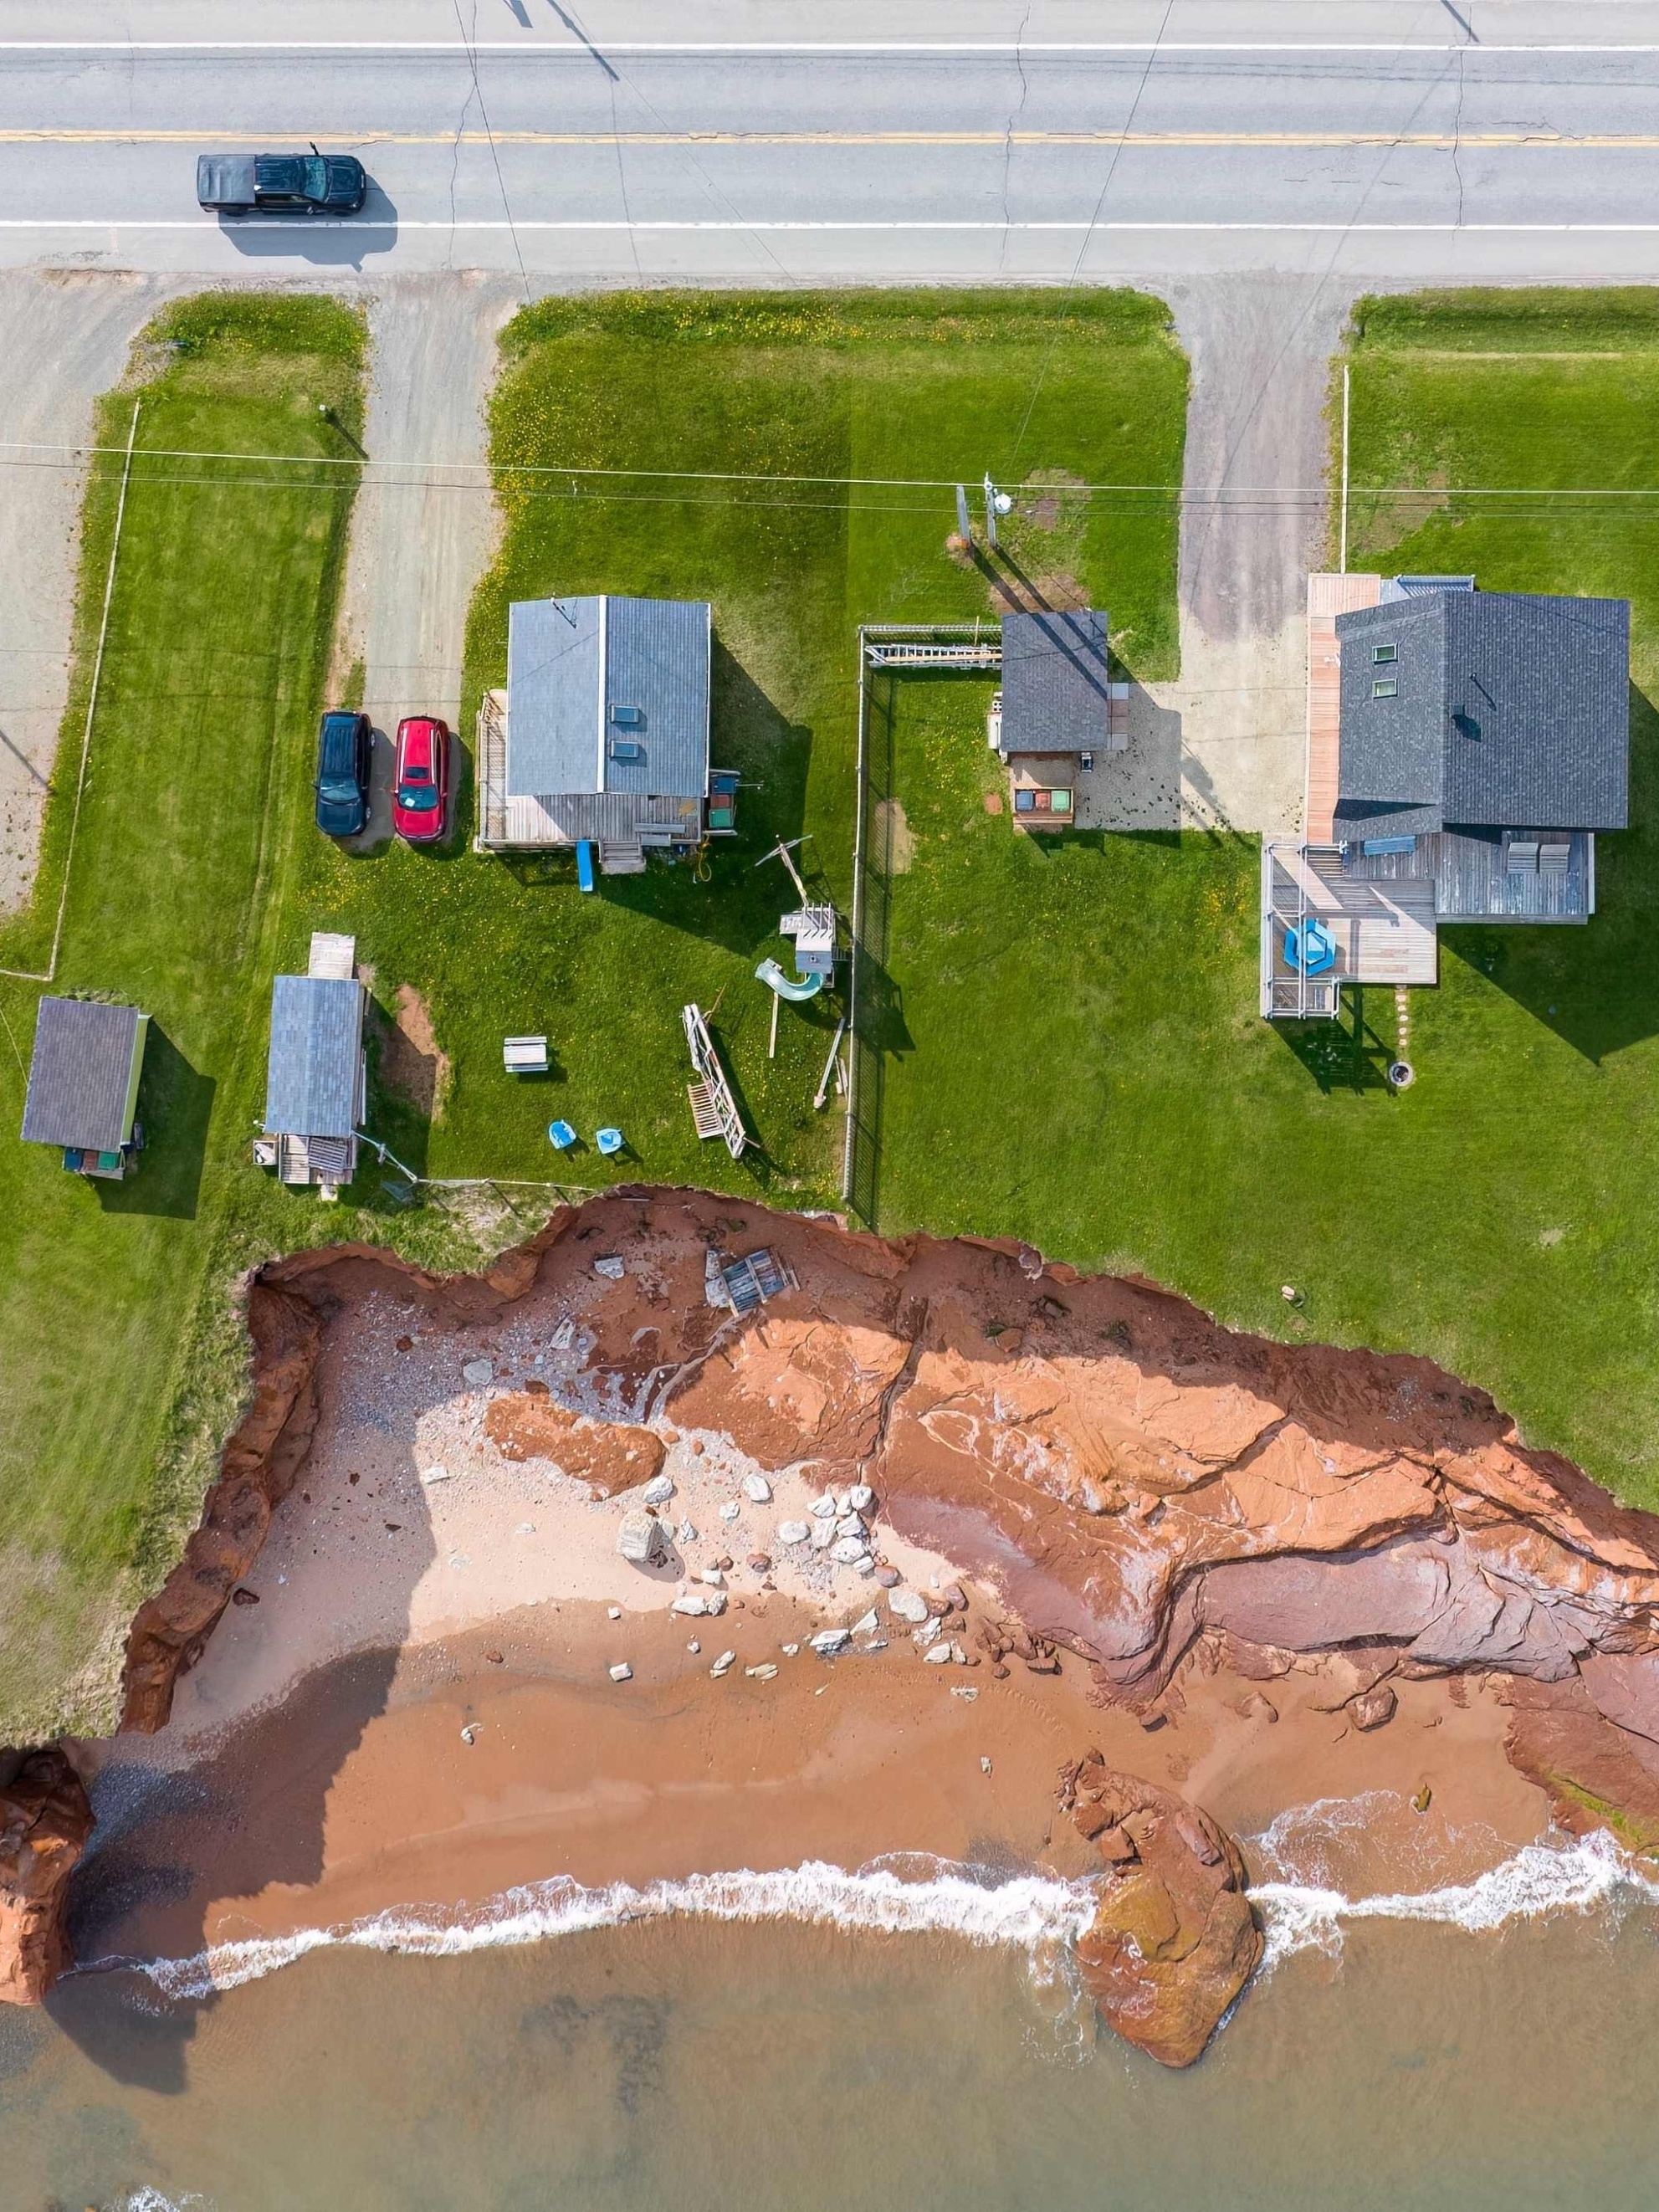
[(316, 1078), (83, 1083), (604, 735)]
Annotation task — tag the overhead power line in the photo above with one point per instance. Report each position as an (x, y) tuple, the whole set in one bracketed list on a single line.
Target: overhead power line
[(488, 474)]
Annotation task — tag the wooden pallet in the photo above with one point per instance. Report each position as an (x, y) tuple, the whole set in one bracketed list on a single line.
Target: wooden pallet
[(705, 1109)]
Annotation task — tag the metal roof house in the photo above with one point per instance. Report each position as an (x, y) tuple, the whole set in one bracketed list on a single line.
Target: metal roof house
[(1057, 708), (84, 1085), (1464, 749), (602, 733), (316, 1076)]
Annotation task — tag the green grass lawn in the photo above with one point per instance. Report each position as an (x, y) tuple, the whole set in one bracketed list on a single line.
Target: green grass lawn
[(197, 874), (113, 1314), (1071, 1051)]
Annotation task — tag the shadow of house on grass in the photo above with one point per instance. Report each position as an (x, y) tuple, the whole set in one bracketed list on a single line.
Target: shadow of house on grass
[(1344, 1054), (176, 1107), (1596, 985)]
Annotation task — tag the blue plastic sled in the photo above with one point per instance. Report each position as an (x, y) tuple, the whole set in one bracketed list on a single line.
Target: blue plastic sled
[(1310, 946), (585, 864)]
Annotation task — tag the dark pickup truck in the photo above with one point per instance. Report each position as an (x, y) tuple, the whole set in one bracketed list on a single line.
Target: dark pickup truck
[(281, 183)]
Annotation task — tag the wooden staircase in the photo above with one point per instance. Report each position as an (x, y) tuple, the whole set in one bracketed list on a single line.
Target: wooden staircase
[(621, 856)]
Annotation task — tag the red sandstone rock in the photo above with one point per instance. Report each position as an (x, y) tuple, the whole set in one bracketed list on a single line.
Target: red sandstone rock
[(610, 1455), (45, 1821), (1174, 1940)]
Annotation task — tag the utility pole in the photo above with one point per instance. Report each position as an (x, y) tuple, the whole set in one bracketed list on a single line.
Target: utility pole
[(996, 502)]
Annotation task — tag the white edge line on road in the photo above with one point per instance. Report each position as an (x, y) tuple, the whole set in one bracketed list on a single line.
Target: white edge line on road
[(256, 227), (806, 47)]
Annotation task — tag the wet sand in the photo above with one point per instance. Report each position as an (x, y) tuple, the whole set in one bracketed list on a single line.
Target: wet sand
[(313, 1814)]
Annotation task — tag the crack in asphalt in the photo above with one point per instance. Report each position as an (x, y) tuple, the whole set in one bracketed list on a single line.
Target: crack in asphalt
[(1008, 132), (1458, 132)]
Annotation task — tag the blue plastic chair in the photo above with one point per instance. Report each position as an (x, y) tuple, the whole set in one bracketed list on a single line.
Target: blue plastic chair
[(561, 1136), (609, 1141)]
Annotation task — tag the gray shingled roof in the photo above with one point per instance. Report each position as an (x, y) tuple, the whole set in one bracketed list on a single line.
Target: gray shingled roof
[(316, 1056), (79, 1088), (1056, 685), (1511, 710), (571, 663)]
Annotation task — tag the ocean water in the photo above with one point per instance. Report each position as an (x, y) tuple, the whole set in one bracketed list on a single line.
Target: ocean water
[(909, 2035)]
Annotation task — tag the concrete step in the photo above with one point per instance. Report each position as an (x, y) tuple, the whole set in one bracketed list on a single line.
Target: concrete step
[(619, 857)]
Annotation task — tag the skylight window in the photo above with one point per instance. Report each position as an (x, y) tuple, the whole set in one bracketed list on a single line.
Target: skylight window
[(1384, 651), (1384, 688)]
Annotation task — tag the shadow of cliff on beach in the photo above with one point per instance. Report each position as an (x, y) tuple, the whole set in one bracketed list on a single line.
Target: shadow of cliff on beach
[(172, 1843)]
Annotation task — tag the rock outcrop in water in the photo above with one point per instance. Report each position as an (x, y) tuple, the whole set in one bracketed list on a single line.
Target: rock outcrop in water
[(1140, 1484), (45, 1821), (1174, 1940)]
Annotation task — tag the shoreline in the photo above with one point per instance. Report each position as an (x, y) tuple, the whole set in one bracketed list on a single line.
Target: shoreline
[(1258, 1577), (311, 1813)]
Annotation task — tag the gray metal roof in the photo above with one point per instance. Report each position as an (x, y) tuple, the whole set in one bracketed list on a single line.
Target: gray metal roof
[(1511, 710), (572, 663), (1055, 681), (553, 663), (316, 1056), (79, 1088)]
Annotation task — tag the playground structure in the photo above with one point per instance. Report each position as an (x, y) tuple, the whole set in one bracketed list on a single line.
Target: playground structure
[(714, 1110), (815, 927)]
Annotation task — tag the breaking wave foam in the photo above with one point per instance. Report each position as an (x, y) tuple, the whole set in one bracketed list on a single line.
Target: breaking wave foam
[(1040, 1916), (1580, 1875), (1043, 1917)]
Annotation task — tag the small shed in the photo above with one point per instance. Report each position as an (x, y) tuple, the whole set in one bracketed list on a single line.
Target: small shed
[(1057, 692), (316, 1082), (83, 1083)]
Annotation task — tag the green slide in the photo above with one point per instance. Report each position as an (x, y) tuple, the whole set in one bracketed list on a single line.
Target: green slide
[(773, 976)]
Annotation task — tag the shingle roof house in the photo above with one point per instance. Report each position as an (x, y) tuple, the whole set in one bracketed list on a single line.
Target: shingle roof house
[(83, 1083), (1495, 710), (603, 733), (1464, 747), (1056, 692)]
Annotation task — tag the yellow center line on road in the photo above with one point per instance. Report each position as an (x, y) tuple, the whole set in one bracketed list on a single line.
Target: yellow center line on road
[(1440, 140)]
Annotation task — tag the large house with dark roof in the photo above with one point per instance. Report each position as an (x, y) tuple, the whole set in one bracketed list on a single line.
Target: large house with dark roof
[(1464, 747), (601, 735)]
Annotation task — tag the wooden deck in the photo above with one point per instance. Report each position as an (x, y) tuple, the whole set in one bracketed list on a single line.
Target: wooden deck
[(1328, 596)]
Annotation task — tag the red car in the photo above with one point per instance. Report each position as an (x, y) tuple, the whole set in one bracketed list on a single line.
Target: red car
[(420, 781)]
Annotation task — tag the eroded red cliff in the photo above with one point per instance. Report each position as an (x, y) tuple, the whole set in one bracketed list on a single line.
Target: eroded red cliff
[(44, 1822), (1143, 1486)]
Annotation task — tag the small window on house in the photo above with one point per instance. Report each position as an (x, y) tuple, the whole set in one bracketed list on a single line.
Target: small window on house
[(1384, 688), (1384, 651)]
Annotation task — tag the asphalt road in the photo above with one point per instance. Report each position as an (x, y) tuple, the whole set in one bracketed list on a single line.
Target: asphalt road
[(1097, 142)]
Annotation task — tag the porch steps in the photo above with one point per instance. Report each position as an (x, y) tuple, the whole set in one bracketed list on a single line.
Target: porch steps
[(620, 856)]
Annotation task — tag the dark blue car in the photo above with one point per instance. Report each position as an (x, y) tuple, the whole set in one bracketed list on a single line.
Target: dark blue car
[(343, 748)]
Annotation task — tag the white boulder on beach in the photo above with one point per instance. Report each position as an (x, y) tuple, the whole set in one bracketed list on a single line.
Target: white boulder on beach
[(757, 1488), (641, 1539), (907, 1605), (849, 1550), (823, 1535), (658, 1490), (829, 1641), (793, 1532)]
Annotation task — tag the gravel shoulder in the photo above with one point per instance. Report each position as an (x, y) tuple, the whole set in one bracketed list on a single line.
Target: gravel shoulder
[(67, 336), (1261, 350), (421, 535)]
